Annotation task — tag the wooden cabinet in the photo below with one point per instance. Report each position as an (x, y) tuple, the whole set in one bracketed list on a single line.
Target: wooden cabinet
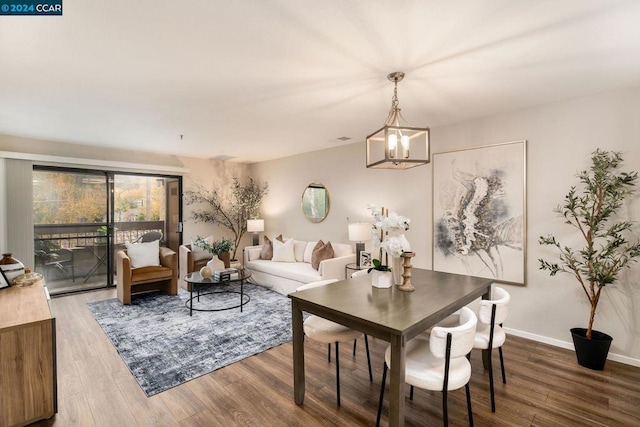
[(28, 390)]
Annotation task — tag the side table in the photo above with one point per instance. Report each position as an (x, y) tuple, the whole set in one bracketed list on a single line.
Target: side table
[(353, 267)]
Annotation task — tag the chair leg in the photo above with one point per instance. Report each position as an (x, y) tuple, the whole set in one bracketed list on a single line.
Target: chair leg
[(355, 342), (366, 344), (329, 352), (337, 373), (493, 399), (467, 389), (384, 380), (445, 412), (411, 393), (504, 378)]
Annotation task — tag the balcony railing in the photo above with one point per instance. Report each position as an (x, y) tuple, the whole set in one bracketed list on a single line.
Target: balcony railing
[(86, 234), (73, 256)]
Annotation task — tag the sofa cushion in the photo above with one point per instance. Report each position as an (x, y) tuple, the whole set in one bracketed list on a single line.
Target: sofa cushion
[(143, 254), (283, 251), (308, 251), (267, 249), (150, 274), (321, 252), (341, 249), (197, 251), (298, 250), (298, 271)]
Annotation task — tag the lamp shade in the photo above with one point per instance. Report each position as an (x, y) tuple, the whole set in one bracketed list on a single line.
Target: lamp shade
[(359, 232), (255, 225)]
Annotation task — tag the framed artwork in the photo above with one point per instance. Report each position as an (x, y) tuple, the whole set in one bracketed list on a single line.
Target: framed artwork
[(479, 212), (365, 259), (4, 282)]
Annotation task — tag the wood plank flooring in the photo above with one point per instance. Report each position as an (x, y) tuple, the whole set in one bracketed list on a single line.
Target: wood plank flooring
[(545, 387)]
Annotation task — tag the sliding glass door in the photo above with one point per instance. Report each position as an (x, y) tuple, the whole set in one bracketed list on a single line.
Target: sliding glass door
[(81, 218)]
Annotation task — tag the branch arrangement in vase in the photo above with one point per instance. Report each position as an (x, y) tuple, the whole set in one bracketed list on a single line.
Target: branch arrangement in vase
[(230, 212)]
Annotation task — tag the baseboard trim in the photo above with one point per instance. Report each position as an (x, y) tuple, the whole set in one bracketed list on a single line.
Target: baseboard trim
[(569, 346)]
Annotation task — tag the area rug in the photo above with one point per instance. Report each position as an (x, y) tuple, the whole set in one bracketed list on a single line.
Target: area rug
[(164, 347)]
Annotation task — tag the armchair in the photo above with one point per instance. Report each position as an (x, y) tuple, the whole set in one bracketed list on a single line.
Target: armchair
[(191, 261), (131, 280)]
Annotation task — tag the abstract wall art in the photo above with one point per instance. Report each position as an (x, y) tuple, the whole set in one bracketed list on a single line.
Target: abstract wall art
[(479, 212)]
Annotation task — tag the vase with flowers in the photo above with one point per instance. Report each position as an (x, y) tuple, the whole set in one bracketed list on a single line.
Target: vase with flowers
[(388, 236)]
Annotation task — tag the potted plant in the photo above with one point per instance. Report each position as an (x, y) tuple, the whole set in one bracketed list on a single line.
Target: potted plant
[(222, 248), (381, 277), (592, 211)]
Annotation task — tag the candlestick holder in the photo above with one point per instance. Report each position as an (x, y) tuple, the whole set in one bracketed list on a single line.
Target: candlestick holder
[(406, 273)]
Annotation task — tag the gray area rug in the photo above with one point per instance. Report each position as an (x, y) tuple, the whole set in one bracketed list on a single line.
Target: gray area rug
[(164, 347)]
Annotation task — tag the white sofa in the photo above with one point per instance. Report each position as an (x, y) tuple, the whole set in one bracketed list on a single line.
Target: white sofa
[(286, 277)]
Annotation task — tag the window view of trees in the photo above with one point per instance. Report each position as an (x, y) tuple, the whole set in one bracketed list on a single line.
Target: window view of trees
[(67, 198)]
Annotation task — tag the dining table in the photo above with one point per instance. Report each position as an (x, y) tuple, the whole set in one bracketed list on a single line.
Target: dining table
[(389, 314)]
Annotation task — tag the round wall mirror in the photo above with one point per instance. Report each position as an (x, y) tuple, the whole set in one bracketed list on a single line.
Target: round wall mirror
[(315, 202)]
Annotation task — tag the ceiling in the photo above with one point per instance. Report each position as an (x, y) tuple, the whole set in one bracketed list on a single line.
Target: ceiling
[(257, 80)]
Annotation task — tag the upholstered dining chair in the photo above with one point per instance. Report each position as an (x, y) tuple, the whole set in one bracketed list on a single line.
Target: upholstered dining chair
[(325, 331), (489, 334), (440, 363)]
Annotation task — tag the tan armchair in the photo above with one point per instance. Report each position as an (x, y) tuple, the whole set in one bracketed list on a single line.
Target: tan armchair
[(132, 280), (191, 261)]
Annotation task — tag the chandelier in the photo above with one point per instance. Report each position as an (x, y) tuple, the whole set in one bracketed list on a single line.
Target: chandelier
[(397, 145)]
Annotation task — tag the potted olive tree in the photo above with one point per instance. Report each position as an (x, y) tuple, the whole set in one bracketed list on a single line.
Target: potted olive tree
[(592, 210), (229, 211)]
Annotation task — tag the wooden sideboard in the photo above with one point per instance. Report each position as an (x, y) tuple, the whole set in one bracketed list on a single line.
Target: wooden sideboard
[(28, 390)]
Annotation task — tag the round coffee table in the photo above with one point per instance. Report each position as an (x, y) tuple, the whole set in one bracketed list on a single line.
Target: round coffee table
[(195, 282)]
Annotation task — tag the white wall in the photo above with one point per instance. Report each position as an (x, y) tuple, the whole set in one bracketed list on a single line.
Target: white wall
[(560, 137)]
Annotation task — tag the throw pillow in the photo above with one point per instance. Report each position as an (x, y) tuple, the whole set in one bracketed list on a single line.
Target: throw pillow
[(308, 251), (144, 254), (283, 252), (198, 252), (267, 249), (321, 252)]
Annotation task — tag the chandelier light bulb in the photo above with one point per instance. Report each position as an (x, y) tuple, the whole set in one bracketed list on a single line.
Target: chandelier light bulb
[(393, 144), (405, 145)]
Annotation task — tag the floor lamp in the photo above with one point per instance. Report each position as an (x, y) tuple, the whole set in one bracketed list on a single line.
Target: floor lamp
[(255, 226), (359, 232)]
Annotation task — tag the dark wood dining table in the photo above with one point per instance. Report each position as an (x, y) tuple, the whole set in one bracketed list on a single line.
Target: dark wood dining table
[(388, 314)]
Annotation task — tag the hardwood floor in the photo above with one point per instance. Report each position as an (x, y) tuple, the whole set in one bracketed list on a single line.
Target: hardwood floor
[(545, 387)]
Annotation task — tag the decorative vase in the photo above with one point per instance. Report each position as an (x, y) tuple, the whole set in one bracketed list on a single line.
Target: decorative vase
[(591, 353), (225, 257), (406, 272), (396, 270), (381, 279), (11, 267), (28, 278)]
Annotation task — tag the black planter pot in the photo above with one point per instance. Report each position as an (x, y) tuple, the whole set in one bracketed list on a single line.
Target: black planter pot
[(591, 353)]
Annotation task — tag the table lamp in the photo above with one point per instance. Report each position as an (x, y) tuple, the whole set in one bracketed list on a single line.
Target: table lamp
[(255, 226), (359, 232)]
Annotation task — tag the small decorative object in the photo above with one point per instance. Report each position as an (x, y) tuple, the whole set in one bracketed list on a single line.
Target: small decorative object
[(206, 272), (28, 278), (595, 211), (11, 267), (406, 273), (365, 259), (388, 235)]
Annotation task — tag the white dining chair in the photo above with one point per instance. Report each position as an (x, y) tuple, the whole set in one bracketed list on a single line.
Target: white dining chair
[(490, 334), (325, 331), (440, 363)]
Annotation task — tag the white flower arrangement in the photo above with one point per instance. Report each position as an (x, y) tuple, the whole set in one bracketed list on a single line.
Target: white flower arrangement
[(389, 227)]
